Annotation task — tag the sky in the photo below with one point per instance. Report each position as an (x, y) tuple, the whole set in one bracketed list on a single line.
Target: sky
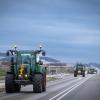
[(69, 30)]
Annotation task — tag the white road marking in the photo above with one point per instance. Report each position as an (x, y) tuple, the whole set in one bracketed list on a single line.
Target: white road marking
[(77, 85), (66, 89), (63, 93)]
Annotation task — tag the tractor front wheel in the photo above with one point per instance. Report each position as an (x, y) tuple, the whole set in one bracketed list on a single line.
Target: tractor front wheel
[(9, 83), (83, 74), (37, 83), (75, 74)]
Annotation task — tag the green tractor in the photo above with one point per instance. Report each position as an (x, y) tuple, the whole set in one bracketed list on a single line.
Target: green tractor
[(79, 69), (26, 68)]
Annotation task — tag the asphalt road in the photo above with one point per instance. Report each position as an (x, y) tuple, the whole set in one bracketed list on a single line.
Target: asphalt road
[(68, 88)]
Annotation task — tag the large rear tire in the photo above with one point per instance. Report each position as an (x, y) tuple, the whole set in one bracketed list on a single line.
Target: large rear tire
[(37, 83)]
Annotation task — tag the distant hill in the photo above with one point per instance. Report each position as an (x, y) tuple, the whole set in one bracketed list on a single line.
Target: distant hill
[(51, 61), (94, 64), (2, 54), (48, 59), (57, 64)]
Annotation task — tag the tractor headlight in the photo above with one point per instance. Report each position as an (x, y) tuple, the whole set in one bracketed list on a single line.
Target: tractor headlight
[(25, 75), (19, 75)]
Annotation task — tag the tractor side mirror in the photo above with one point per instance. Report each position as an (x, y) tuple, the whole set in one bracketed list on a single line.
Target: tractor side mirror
[(7, 53), (43, 53)]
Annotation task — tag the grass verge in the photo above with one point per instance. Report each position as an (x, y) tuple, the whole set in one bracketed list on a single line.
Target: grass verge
[(52, 78), (2, 74)]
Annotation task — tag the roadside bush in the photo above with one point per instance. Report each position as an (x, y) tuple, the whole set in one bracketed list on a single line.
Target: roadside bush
[(2, 72)]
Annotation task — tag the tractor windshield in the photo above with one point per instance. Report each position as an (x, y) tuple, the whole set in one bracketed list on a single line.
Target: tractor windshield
[(81, 67), (26, 58)]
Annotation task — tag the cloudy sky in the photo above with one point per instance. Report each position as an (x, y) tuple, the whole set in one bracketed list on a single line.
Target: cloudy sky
[(69, 30)]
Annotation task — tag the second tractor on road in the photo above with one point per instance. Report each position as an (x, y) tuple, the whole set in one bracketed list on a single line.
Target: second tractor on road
[(79, 69)]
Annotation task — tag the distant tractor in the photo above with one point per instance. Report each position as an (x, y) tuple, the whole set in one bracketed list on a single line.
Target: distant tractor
[(26, 68), (92, 71), (79, 69)]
